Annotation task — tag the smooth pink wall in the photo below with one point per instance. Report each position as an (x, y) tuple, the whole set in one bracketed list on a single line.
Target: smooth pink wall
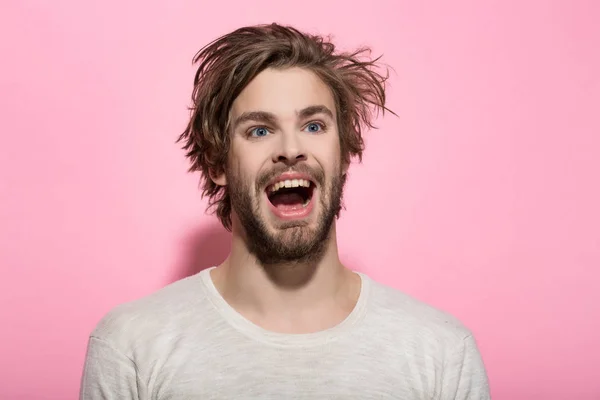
[(482, 198)]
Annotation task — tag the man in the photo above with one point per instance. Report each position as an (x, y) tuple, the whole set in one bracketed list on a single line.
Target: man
[(277, 117)]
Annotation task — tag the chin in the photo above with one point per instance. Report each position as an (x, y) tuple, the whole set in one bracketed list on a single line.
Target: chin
[(278, 224), (287, 224)]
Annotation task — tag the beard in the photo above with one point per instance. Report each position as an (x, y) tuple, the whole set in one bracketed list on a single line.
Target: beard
[(294, 242)]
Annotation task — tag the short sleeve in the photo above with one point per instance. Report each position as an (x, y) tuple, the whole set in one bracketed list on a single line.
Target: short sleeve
[(465, 376), (108, 374)]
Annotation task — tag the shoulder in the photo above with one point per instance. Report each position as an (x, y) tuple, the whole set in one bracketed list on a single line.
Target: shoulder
[(167, 309), (398, 312)]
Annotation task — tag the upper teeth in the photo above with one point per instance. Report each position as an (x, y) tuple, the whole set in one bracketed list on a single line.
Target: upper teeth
[(289, 183)]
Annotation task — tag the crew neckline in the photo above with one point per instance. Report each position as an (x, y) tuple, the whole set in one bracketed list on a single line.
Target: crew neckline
[(258, 333)]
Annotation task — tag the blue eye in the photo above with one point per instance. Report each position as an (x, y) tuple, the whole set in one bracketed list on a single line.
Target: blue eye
[(314, 127), (259, 132)]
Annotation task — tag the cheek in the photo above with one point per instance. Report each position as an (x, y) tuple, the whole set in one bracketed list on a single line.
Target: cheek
[(336, 145), (248, 159), (235, 172), (335, 154), (243, 174), (236, 162)]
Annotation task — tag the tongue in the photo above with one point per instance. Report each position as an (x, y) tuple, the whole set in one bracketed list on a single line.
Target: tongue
[(287, 201)]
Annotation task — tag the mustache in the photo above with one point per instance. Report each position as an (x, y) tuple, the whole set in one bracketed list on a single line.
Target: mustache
[(315, 174)]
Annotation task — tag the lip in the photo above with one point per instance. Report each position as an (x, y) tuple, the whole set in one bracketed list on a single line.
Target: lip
[(295, 214), (290, 176)]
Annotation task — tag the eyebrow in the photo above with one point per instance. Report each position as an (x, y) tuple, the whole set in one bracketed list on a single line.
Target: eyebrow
[(313, 110), (255, 116), (270, 118)]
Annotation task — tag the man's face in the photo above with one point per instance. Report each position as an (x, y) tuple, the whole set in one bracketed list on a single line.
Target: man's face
[(284, 173)]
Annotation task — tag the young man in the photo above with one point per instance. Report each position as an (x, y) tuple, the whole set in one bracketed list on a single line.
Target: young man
[(277, 117)]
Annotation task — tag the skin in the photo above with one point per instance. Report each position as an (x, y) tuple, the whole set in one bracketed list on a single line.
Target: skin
[(306, 288)]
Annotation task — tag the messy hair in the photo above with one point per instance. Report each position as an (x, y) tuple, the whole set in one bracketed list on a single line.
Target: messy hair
[(228, 64)]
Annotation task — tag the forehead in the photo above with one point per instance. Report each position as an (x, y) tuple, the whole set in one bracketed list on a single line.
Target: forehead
[(283, 92)]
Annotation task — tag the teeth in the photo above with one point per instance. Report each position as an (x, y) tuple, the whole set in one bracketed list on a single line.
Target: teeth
[(290, 183)]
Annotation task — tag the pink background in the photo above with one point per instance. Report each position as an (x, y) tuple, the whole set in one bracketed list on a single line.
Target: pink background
[(481, 199)]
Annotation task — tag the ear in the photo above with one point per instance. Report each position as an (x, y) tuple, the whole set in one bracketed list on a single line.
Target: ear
[(218, 178)]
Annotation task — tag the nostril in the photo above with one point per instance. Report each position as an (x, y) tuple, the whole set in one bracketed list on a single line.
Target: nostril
[(300, 157), (287, 160)]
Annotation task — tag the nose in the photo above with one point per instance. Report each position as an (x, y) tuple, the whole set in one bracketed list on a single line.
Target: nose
[(289, 149)]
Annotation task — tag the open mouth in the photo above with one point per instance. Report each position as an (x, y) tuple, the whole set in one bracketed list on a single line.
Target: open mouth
[(291, 195)]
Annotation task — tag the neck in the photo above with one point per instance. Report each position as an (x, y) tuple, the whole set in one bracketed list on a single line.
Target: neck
[(279, 296)]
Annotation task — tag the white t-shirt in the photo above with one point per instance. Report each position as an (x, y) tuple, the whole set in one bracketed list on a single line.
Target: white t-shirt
[(185, 342)]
